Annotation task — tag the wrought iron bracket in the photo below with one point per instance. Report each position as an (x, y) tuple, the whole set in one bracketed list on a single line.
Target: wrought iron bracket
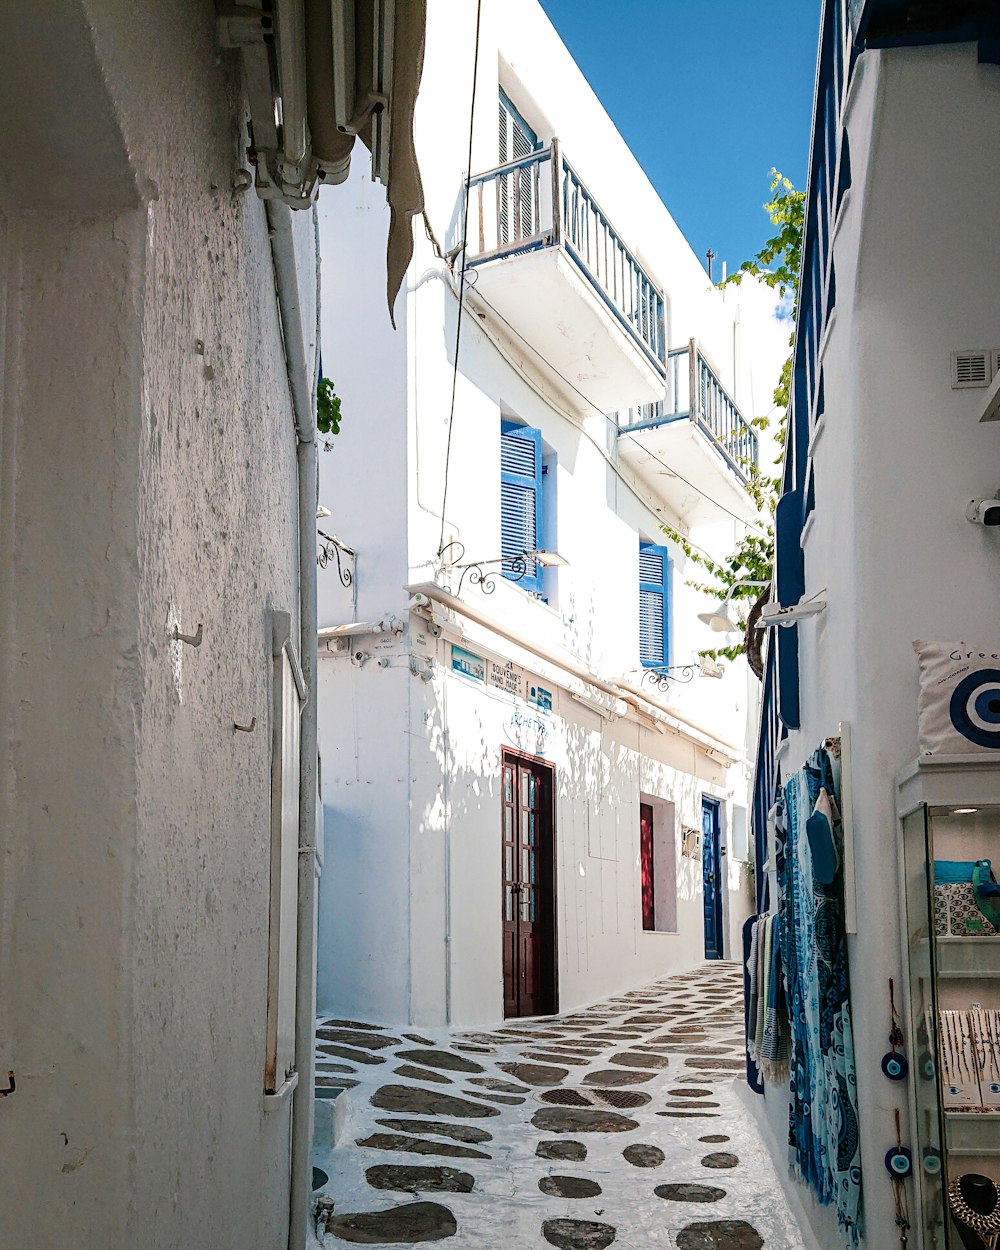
[(330, 549), (662, 677), (513, 568)]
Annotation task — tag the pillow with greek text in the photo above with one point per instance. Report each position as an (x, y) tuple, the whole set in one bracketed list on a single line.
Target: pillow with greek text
[(959, 711)]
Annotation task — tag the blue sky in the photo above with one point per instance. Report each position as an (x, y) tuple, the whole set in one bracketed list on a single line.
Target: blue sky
[(709, 95)]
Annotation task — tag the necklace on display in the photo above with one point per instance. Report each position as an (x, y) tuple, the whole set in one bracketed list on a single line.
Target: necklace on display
[(987, 1226)]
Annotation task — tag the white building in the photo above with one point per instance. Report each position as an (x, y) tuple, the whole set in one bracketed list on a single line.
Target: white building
[(500, 772), (895, 349), (158, 357)]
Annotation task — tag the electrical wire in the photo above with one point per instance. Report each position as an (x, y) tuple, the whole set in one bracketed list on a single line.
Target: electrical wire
[(551, 403), (669, 468), (461, 281)]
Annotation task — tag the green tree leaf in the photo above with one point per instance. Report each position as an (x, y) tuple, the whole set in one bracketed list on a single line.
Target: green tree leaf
[(327, 407), (778, 264)]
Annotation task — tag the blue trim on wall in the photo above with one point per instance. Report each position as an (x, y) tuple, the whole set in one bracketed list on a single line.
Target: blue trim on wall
[(829, 178)]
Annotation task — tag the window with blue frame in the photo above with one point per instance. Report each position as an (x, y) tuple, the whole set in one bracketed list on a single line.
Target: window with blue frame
[(517, 208), (654, 606), (521, 504)]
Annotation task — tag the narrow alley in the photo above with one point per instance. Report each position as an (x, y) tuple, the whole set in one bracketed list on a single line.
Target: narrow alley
[(619, 1124)]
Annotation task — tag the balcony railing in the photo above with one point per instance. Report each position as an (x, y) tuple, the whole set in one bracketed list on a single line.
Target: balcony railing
[(713, 411), (539, 201)]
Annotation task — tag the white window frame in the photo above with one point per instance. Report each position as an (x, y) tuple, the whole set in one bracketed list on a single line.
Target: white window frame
[(288, 699)]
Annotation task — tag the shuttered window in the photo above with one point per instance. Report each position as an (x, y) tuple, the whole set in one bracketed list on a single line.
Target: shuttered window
[(521, 503), (654, 606), (517, 207)]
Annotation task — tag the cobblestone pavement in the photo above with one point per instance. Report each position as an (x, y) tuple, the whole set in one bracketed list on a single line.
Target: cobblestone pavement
[(619, 1124)]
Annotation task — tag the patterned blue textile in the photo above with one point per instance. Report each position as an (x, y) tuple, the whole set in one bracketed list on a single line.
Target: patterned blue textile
[(824, 1143)]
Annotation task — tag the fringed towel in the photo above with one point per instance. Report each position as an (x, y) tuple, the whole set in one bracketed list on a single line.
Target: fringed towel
[(823, 1137)]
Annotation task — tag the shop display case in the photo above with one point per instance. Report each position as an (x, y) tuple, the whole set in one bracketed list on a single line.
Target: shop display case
[(949, 811)]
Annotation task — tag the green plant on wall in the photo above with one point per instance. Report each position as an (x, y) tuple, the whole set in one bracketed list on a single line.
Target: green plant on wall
[(327, 407), (777, 264)]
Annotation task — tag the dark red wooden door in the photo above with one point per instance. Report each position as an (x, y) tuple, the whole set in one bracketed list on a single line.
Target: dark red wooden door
[(528, 888), (646, 863)]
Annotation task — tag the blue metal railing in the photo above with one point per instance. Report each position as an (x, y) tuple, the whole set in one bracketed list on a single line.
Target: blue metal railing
[(540, 201), (713, 410)]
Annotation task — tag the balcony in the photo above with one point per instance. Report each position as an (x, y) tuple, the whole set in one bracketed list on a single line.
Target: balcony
[(694, 448), (547, 261)]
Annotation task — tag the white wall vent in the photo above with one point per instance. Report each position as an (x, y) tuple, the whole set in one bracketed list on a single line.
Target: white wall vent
[(973, 367)]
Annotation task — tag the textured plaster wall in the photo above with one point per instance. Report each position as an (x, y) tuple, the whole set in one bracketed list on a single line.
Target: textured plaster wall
[(147, 481), (899, 457), (71, 677), (411, 769), (411, 903)]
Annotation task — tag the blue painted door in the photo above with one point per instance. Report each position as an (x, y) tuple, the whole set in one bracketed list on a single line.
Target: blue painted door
[(711, 863)]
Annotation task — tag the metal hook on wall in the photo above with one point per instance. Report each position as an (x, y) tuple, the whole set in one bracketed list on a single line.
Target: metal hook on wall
[(245, 729), (192, 640)]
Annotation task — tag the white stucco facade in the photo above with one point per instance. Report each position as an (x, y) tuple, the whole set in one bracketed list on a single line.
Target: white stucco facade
[(148, 482), (410, 906), (895, 459)]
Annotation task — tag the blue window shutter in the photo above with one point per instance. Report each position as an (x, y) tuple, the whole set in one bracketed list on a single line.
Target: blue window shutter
[(789, 587), (787, 649), (789, 561), (654, 606), (521, 502)]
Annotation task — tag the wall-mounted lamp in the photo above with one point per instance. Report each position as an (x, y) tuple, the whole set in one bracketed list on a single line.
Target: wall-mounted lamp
[(514, 567), (720, 620), (774, 614)]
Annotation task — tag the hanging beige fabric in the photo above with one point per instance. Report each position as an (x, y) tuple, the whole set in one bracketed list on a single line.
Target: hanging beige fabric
[(364, 59), (405, 191)]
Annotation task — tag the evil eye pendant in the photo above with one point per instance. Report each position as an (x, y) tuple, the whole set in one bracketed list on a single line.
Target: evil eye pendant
[(932, 1161), (899, 1163), (894, 1066)]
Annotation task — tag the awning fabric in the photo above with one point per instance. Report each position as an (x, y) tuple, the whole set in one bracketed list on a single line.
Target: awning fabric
[(332, 143), (405, 192)]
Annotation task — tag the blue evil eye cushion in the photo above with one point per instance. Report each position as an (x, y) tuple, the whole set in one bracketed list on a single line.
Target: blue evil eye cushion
[(959, 712)]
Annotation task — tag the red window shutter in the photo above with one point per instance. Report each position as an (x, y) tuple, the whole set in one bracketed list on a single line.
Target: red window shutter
[(646, 864)]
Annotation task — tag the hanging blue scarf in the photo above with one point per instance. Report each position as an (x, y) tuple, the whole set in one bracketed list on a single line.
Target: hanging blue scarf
[(823, 1109)]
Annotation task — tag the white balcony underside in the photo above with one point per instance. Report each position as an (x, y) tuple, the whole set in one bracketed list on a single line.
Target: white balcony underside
[(578, 341), (679, 465)]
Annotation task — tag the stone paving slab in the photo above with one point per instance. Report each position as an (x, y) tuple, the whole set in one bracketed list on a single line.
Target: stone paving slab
[(613, 1168)]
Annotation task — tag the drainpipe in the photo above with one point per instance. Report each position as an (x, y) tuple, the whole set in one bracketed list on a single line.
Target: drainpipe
[(302, 371)]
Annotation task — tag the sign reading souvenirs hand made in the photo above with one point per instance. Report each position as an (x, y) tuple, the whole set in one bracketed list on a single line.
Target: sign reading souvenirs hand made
[(526, 729), (506, 677)]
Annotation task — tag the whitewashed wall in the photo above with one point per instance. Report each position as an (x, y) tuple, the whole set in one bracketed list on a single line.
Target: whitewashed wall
[(411, 769), (143, 483), (899, 456), (410, 928)]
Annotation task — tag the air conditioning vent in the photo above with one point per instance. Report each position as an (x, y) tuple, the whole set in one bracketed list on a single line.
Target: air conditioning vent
[(972, 367)]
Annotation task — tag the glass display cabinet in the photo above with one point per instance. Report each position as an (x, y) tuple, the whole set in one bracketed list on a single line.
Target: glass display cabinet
[(949, 810)]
